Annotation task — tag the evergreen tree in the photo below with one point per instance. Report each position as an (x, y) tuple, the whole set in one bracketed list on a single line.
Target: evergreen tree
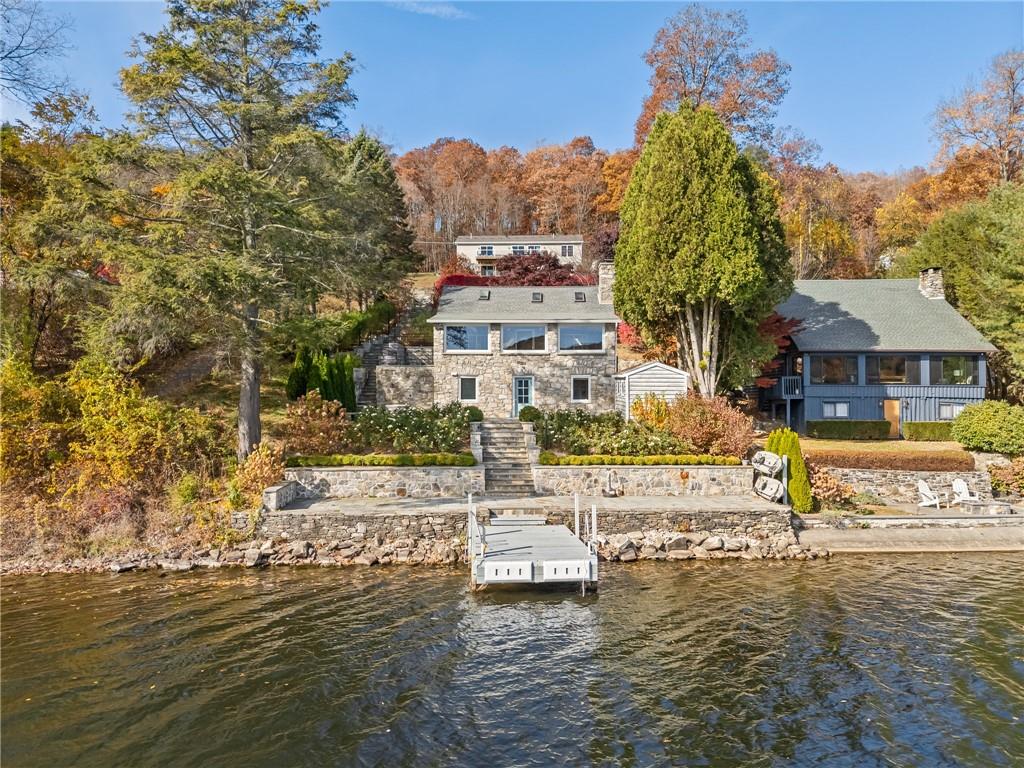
[(701, 254), (237, 116), (786, 442)]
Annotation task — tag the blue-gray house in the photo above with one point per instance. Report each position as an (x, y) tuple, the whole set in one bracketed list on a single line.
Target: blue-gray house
[(877, 349)]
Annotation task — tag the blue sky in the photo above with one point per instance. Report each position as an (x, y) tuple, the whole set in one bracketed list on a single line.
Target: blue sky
[(865, 76)]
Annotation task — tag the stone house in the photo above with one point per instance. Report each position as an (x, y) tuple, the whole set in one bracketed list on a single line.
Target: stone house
[(503, 348), (483, 251)]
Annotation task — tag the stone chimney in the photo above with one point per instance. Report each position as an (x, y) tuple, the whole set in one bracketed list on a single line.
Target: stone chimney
[(929, 283), (605, 280)]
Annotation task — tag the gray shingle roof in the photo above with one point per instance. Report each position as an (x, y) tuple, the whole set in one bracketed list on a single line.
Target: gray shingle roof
[(524, 239), (460, 304), (866, 315)]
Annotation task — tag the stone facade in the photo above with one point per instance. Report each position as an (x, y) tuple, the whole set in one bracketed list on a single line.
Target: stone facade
[(551, 372), (410, 385), (644, 481), (900, 486), (393, 482)]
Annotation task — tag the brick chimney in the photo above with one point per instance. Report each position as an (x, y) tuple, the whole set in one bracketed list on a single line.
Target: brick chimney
[(929, 283), (605, 280)]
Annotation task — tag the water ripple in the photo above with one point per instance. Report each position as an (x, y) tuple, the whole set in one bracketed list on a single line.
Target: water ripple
[(872, 661)]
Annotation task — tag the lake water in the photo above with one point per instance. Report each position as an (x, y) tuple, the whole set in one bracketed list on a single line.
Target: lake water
[(863, 661)]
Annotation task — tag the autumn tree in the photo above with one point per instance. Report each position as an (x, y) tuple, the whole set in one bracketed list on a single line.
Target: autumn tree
[(703, 56), (990, 117), (237, 112), (701, 255), (980, 248), (31, 41)]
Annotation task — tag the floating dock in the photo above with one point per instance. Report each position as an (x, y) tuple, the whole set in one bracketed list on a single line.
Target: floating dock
[(524, 549)]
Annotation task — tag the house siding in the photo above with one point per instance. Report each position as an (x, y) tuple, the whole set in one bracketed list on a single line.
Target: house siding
[(654, 381), (552, 373), (919, 402)]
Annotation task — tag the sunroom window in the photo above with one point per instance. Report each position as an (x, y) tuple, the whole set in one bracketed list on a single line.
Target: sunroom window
[(954, 369), (465, 338), (580, 338), (833, 369), (522, 338)]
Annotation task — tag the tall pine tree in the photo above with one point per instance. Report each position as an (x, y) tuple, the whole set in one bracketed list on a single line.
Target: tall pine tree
[(701, 255), (238, 116)]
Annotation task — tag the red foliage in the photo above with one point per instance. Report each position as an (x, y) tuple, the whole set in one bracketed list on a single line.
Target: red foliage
[(778, 330), (630, 337), (542, 269)]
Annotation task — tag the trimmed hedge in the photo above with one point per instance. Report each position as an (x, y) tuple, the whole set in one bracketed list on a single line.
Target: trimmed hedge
[(384, 460), (991, 426), (849, 429), (530, 413), (924, 461), (553, 459), (929, 431)]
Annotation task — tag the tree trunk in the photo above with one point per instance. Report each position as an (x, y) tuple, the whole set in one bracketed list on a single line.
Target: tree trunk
[(249, 430)]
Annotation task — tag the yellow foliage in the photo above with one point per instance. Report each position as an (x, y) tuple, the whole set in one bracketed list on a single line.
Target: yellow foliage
[(651, 410)]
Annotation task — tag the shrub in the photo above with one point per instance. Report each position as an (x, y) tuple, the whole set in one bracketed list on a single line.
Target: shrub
[(629, 439), (651, 410), (922, 461), (1009, 478), (710, 426), (934, 431), (384, 460), (785, 442), (262, 468), (849, 429), (315, 425), (991, 426), (530, 413), (553, 459), (413, 430), (474, 413), (826, 488), (298, 377)]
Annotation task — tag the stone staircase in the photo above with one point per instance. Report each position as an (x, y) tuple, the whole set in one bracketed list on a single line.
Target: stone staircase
[(372, 352), (506, 458)]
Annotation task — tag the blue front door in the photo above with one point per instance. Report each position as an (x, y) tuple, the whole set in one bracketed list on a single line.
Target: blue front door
[(522, 393)]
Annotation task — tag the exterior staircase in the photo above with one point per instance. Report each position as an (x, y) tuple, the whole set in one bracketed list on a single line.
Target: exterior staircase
[(507, 463), (372, 351)]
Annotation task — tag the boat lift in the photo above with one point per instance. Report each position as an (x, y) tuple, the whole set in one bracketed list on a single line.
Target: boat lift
[(524, 549)]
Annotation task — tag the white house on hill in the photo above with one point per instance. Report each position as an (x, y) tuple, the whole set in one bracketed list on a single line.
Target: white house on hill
[(482, 251)]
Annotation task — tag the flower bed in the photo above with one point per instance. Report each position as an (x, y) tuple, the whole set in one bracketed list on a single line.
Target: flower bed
[(552, 459), (924, 461), (384, 460)]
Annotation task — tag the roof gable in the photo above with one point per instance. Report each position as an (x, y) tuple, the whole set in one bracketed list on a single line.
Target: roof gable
[(653, 365), (876, 315)]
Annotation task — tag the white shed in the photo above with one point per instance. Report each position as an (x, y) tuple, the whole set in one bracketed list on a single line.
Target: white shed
[(650, 378)]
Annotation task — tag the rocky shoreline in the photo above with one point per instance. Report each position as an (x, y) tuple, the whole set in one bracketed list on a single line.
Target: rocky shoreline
[(629, 547)]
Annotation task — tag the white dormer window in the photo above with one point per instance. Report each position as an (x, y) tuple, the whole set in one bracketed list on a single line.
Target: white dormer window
[(579, 297), (485, 296), (485, 250)]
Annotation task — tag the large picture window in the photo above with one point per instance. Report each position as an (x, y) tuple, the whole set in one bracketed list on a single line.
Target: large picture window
[(893, 369), (954, 369), (580, 338), (833, 369), (465, 338), (522, 338)]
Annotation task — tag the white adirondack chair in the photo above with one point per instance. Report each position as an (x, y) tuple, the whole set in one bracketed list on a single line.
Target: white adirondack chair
[(962, 492), (930, 498)]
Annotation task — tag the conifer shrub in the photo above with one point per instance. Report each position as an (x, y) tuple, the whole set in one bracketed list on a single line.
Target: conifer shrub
[(785, 442)]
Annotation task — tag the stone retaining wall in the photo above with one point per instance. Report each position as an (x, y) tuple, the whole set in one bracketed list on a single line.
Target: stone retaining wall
[(411, 385), (644, 481), (372, 482), (900, 486)]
